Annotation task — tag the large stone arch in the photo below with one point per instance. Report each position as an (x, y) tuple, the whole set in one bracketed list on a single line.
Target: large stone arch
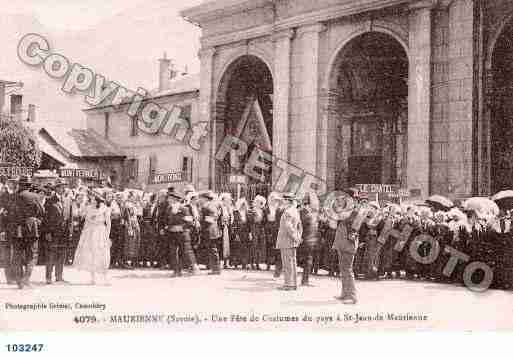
[(226, 65), (340, 124), (400, 36), (496, 34), (245, 76), (498, 114)]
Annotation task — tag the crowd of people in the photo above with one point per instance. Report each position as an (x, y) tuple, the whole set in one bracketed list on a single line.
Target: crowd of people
[(98, 229)]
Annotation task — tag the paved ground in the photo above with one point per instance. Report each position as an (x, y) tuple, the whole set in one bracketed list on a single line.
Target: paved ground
[(204, 302)]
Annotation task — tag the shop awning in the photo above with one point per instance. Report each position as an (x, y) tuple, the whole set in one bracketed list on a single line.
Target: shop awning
[(51, 151)]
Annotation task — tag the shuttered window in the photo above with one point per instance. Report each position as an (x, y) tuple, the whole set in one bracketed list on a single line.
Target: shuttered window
[(187, 168), (134, 130), (152, 168), (107, 124), (186, 113)]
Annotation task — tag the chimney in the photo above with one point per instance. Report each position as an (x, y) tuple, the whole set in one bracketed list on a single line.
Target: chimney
[(164, 77), (185, 71), (31, 113), (167, 72), (16, 104)]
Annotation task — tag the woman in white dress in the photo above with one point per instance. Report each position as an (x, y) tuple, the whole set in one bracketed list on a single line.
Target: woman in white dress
[(93, 250)]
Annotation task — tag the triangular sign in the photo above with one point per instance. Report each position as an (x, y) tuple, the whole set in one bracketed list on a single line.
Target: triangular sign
[(252, 129)]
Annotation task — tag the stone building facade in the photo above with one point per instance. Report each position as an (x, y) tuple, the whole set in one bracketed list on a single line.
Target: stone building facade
[(160, 153), (405, 92)]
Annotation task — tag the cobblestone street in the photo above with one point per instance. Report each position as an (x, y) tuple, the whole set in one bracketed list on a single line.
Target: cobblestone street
[(230, 300)]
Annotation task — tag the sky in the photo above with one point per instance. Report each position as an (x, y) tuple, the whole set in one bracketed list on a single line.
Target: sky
[(70, 14), (120, 39)]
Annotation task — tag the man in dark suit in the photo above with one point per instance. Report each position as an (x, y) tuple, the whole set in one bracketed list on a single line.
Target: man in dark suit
[(175, 229), (346, 245), (210, 230), (8, 206), (56, 234), (160, 222), (28, 222)]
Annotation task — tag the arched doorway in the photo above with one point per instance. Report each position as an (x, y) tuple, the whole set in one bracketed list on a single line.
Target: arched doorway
[(501, 124), (244, 109), (368, 112)]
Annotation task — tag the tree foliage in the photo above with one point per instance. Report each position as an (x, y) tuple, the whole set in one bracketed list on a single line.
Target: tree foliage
[(18, 144)]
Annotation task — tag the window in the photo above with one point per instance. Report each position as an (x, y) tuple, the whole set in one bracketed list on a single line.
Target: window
[(133, 169), (186, 113), (134, 129), (107, 124), (187, 168), (153, 167)]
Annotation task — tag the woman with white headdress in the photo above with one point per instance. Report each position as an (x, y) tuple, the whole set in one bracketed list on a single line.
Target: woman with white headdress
[(132, 235), (227, 221), (258, 232), (241, 234), (390, 256)]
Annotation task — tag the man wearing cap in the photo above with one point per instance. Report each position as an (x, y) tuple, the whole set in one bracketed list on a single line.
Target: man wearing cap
[(210, 230), (28, 221), (56, 224), (174, 229), (190, 220), (8, 206), (288, 240)]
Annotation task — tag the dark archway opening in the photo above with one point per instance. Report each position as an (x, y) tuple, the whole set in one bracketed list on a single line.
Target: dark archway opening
[(369, 113), (501, 172), (245, 110)]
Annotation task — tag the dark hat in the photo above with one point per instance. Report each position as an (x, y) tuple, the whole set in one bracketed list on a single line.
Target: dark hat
[(175, 195), (13, 179), (353, 192), (170, 189), (97, 196), (189, 188), (36, 188), (289, 196), (208, 194), (60, 182), (25, 181)]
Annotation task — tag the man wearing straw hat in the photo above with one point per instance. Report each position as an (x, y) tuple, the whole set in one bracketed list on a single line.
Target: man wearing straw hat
[(210, 231), (288, 240), (56, 224), (346, 245)]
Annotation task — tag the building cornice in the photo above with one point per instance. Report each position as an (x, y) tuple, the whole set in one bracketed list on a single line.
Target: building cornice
[(218, 9), (426, 4), (283, 34), (221, 8), (338, 11), (240, 35), (305, 29)]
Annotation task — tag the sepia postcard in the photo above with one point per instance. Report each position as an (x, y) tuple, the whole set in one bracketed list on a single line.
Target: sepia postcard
[(267, 165)]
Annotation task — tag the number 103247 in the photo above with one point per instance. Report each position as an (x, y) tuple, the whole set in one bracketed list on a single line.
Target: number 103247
[(24, 348)]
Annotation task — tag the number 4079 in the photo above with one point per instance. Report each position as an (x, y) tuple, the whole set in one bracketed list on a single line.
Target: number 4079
[(24, 347)]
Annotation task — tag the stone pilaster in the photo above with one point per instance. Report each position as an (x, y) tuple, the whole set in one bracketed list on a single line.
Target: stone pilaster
[(207, 157), (304, 134), (461, 87), (281, 105), (419, 98)]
